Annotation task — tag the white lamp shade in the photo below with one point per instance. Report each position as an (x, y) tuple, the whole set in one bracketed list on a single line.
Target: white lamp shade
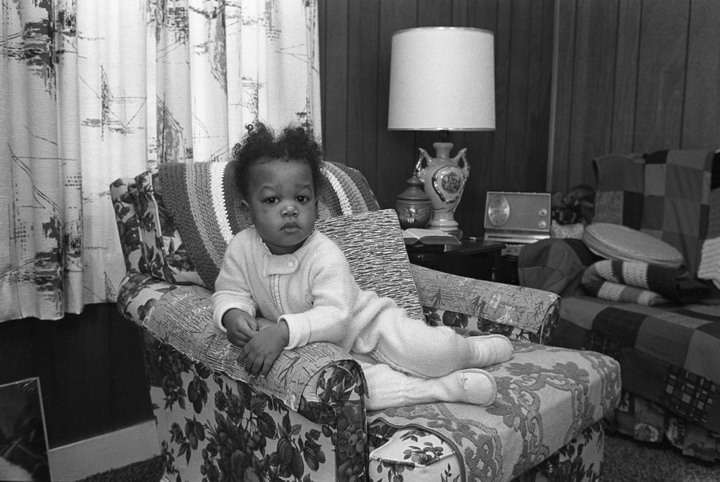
[(442, 78)]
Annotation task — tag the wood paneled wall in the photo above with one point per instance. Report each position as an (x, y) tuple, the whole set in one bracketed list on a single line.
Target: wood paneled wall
[(355, 38), (633, 76), (91, 371)]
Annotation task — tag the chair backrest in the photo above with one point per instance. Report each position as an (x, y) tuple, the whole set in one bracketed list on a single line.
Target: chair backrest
[(668, 194), (174, 223)]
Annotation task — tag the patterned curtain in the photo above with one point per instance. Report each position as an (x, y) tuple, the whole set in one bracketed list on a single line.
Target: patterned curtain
[(95, 90)]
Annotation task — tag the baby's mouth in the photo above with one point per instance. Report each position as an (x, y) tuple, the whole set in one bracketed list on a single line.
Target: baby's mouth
[(290, 227)]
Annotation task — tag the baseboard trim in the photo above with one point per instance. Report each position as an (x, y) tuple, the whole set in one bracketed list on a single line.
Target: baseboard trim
[(105, 452)]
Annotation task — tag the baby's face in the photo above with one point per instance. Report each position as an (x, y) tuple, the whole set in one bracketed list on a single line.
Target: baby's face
[(282, 204)]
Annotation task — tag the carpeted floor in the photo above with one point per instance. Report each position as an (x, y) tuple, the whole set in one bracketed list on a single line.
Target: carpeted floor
[(627, 460), (146, 471)]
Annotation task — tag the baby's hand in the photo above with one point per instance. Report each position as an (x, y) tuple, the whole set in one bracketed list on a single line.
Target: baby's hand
[(240, 326), (260, 353)]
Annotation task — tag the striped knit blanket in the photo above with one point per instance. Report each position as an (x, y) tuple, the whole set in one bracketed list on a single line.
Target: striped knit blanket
[(641, 283), (205, 205)]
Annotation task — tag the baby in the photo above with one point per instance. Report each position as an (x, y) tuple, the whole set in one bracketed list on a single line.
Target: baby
[(282, 269)]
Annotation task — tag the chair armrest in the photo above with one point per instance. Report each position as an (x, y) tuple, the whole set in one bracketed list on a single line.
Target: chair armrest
[(181, 316), (518, 312)]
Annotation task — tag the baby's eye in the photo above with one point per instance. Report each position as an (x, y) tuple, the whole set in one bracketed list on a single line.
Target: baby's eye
[(270, 200), (303, 199)]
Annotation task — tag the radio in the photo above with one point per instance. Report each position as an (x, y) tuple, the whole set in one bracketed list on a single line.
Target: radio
[(517, 218)]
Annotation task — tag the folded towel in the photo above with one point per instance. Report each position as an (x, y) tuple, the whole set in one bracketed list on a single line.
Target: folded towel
[(642, 283)]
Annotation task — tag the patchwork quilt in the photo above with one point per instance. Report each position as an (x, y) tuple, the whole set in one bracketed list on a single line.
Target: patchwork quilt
[(669, 348), (669, 354), (668, 194)]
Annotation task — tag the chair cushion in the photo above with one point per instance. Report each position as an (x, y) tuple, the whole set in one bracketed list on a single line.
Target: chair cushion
[(546, 397), (615, 241)]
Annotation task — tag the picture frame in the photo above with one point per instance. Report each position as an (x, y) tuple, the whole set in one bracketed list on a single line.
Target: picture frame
[(23, 433)]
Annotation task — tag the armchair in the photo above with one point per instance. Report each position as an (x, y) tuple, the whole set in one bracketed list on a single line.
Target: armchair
[(307, 419)]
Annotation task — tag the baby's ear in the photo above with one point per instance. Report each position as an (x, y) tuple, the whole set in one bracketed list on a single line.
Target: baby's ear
[(245, 207)]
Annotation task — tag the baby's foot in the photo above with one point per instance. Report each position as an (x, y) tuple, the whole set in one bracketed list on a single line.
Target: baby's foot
[(469, 386), (488, 350)]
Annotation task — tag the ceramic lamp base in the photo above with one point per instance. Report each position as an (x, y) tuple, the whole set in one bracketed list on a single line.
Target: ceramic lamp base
[(444, 180)]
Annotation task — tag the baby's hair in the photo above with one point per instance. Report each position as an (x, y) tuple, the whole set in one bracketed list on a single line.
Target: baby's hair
[(261, 145)]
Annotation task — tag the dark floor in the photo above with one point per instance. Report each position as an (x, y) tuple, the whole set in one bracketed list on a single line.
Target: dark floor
[(627, 460)]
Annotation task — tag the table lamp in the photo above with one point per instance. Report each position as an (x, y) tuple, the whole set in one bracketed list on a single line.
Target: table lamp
[(442, 79)]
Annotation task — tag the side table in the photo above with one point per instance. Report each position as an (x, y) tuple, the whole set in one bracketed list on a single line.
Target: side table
[(509, 270), (474, 259)]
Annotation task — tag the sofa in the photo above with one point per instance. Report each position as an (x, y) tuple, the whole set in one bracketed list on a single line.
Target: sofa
[(668, 347), (307, 419)]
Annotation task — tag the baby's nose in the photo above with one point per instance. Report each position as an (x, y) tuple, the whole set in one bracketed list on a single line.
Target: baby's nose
[(290, 210)]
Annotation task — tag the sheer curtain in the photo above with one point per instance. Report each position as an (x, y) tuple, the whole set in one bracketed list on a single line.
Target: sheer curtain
[(94, 90)]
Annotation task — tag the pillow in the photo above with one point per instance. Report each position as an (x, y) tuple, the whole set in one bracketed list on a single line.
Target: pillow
[(375, 248), (615, 241)]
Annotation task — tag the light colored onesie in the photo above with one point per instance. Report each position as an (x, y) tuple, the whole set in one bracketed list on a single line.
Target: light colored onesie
[(314, 292)]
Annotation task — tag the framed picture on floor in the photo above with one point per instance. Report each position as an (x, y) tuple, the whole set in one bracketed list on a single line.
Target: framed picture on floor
[(23, 437)]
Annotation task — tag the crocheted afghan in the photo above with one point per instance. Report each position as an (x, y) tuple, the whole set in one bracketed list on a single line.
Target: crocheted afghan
[(205, 204), (641, 283)]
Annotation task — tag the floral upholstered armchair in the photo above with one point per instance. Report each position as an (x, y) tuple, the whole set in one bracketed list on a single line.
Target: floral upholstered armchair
[(307, 420)]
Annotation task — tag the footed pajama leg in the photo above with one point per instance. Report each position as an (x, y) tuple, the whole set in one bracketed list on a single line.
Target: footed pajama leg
[(390, 388)]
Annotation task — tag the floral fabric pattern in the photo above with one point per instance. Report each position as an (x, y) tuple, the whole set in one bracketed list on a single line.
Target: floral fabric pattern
[(517, 312), (214, 428), (419, 455), (510, 437), (307, 420)]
